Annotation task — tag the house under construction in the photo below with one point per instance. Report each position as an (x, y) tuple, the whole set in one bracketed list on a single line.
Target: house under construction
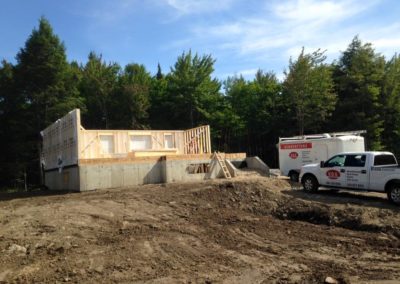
[(74, 158)]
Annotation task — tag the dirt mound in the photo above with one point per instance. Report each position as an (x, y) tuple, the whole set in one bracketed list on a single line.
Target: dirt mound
[(243, 230), (264, 197)]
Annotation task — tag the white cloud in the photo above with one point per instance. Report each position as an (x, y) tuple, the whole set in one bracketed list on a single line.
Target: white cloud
[(320, 11), (290, 24), (246, 73), (385, 39), (387, 43), (110, 12), (257, 32), (185, 7), (281, 29)]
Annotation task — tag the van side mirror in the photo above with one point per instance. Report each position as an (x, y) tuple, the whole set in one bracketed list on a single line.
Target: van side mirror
[(322, 164)]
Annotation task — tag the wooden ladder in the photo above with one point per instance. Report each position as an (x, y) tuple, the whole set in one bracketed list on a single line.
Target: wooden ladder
[(222, 163)]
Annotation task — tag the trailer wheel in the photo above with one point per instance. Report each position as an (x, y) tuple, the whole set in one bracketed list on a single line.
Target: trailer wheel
[(394, 193), (310, 183)]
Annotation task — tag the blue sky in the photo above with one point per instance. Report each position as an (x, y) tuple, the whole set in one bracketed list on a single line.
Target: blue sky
[(242, 35)]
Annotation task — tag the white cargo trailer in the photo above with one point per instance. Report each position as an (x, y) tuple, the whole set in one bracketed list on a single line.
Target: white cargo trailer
[(294, 152)]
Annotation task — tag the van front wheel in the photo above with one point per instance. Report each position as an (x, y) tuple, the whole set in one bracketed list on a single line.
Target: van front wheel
[(310, 183)]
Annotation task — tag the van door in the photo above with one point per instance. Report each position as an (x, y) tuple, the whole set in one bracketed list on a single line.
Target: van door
[(356, 173), (332, 174)]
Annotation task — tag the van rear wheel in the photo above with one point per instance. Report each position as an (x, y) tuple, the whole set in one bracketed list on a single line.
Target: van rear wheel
[(394, 193), (294, 177), (310, 183)]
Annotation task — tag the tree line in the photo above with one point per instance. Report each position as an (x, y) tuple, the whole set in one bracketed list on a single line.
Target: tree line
[(359, 90)]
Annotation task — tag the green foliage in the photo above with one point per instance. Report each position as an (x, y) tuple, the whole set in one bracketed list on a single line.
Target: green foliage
[(43, 80), (259, 109), (362, 90), (191, 90), (390, 102), (358, 78), (99, 81), (131, 99), (12, 127), (159, 74), (308, 90), (42, 76), (159, 105)]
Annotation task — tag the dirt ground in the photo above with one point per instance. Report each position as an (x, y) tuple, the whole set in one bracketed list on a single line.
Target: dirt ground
[(248, 230)]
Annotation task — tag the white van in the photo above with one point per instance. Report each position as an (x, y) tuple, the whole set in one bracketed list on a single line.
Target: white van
[(294, 152)]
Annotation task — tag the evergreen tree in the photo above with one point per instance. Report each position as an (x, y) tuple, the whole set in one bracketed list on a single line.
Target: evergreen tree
[(99, 82), (131, 100), (260, 109), (391, 106), (270, 119), (12, 128), (191, 90), (241, 98), (308, 89), (158, 101), (43, 79), (41, 75), (159, 74), (358, 76)]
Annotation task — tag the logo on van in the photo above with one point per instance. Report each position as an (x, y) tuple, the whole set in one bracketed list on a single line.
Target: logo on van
[(293, 155), (333, 174)]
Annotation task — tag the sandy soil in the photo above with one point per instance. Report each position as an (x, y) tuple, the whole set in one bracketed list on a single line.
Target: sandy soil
[(249, 230)]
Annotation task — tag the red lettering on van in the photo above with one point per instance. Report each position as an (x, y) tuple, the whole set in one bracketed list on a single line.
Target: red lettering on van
[(294, 146)]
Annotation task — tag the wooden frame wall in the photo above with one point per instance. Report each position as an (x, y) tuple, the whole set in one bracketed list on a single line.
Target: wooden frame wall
[(68, 141), (90, 147), (197, 140), (60, 142)]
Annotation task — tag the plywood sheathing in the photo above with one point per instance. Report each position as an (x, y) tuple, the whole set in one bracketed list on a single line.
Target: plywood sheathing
[(60, 142)]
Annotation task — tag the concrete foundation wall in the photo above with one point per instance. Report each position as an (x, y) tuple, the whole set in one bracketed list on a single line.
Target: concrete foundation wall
[(257, 164), (101, 176), (178, 170), (107, 173), (67, 179)]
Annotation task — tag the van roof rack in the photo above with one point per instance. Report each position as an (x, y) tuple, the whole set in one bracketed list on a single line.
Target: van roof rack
[(324, 135), (343, 133)]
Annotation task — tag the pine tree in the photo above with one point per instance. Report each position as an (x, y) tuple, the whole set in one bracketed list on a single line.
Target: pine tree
[(99, 82), (159, 74), (12, 128), (358, 78), (43, 79), (191, 90), (130, 101), (308, 89), (391, 106), (158, 102)]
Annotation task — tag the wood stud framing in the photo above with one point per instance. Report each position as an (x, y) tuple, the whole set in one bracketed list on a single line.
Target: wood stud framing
[(66, 138), (197, 140)]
